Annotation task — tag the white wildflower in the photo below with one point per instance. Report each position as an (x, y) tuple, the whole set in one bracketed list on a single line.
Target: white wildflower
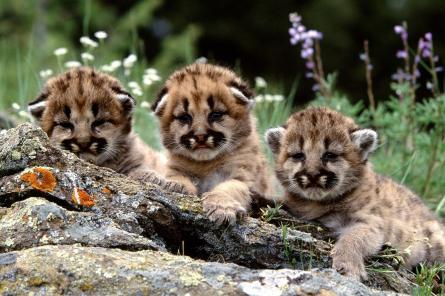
[(133, 84), (101, 35), (137, 92), (260, 82), (61, 51), (87, 41), (130, 60), (72, 64), (268, 98), (278, 98), (106, 68), (259, 98), (46, 73), (86, 56), (150, 76), (25, 114), (151, 71), (145, 104), (116, 64), (147, 81), (15, 106)]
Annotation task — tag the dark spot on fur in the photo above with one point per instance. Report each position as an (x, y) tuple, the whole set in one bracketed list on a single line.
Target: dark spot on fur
[(211, 102), (61, 85), (80, 82), (195, 83), (185, 104), (301, 140), (67, 111), (327, 142), (95, 109), (179, 77), (68, 76), (314, 119), (213, 75)]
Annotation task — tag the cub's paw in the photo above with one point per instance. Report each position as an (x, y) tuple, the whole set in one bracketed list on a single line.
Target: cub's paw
[(178, 188), (149, 176), (222, 209), (350, 266)]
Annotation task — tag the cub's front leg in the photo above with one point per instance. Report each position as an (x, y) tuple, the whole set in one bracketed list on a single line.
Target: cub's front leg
[(355, 244), (151, 176), (227, 201), (179, 182)]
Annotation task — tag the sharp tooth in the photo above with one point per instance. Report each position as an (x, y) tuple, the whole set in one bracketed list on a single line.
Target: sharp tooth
[(322, 180)]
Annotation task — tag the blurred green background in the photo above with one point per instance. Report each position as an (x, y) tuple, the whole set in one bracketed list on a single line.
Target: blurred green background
[(249, 35)]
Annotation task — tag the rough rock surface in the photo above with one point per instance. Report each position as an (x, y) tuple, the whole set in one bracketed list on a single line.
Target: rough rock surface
[(73, 270), (110, 232)]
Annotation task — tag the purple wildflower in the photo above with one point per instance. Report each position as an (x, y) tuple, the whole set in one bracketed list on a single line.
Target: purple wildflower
[(402, 54), (401, 30), (299, 34)]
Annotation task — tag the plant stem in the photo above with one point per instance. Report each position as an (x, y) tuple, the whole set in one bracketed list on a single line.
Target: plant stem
[(324, 89), (368, 69)]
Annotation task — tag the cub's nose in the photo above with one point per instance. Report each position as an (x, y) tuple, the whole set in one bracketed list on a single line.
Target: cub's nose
[(201, 138), (84, 145)]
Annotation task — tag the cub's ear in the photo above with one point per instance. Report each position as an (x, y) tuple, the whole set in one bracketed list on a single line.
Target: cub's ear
[(273, 138), (366, 141), (161, 99), (37, 107), (126, 99), (241, 91)]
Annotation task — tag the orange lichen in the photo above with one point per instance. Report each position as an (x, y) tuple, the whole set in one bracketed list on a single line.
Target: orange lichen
[(81, 197), (106, 190), (40, 178)]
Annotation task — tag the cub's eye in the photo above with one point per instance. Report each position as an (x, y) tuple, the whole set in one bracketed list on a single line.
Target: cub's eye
[(99, 123), (216, 116), (329, 156), (66, 125), (299, 156), (184, 118)]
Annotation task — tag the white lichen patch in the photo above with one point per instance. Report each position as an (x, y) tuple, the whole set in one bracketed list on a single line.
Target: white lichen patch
[(16, 155), (257, 289), (190, 278), (9, 242)]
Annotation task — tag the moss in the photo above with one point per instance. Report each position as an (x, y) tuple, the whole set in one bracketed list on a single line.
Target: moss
[(189, 205), (36, 281), (86, 286)]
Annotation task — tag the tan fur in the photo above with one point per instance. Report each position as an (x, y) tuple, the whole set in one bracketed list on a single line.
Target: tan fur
[(89, 113), (227, 171), (364, 209)]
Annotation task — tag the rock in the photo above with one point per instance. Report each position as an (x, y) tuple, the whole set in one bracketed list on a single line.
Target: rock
[(50, 197), (74, 270), (35, 221)]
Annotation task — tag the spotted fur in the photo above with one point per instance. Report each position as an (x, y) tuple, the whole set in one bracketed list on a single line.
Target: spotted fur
[(90, 114), (210, 134), (322, 162)]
